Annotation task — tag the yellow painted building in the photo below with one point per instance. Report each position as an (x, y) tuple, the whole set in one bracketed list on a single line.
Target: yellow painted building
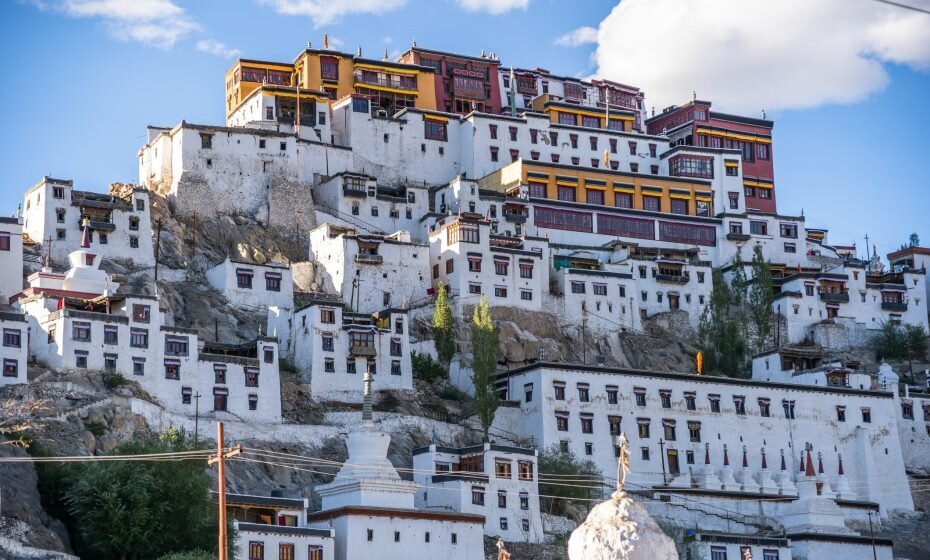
[(572, 114), (247, 75), (602, 187), (392, 86)]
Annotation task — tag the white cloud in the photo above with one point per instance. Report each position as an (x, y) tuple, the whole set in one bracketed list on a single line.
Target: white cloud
[(324, 12), (495, 7), (157, 23), (213, 47), (578, 37), (746, 55)]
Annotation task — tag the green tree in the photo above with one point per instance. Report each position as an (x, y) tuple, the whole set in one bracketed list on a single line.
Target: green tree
[(443, 327), (721, 337), (915, 341), (485, 347), (555, 466), (897, 341), (738, 283), (761, 297), (141, 509)]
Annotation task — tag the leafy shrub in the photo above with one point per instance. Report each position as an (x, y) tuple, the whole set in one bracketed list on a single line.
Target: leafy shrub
[(451, 393), (112, 380), (426, 368), (96, 428), (288, 366)]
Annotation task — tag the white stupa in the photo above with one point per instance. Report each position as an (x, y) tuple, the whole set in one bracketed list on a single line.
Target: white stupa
[(886, 377), (368, 478), (83, 280), (85, 275), (371, 509)]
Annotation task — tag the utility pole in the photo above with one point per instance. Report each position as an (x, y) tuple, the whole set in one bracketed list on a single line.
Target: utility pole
[(872, 536), (584, 346), (297, 227), (196, 417), (662, 453), (157, 252), (219, 459)]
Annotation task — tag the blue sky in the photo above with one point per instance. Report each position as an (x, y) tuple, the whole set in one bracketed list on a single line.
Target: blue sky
[(84, 79)]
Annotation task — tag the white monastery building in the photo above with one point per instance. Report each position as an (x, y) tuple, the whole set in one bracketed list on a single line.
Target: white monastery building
[(496, 481), (333, 347), (120, 228), (270, 525), (255, 286), (78, 321), (11, 257), (370, 272)]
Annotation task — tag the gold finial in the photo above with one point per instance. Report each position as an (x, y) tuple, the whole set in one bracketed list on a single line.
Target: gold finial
[(326, 40)]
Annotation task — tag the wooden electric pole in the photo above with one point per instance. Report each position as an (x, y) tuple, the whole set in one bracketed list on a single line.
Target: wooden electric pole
[(221, 455), (196, 418), (157, 252)]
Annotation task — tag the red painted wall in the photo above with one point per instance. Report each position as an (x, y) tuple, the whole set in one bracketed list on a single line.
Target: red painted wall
[(444, 93)]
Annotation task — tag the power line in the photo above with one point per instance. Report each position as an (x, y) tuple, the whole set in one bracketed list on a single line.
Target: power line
[(905, 6)]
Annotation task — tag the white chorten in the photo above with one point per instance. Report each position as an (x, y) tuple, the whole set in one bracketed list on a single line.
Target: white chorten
[(368, 478)]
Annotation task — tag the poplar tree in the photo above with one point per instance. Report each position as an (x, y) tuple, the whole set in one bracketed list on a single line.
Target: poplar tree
[(485, 345), (443, 332), (761, 298), (739, 282), (721, 337)]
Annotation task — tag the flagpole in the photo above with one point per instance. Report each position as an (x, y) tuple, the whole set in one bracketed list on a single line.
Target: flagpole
[(297, 119), (607, 110)]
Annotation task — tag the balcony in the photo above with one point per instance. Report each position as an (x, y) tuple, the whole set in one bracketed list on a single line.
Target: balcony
[(356, 190), (99, 225), (834, 297), (738, 237), (368, 351), (894, 306), (386, 82), (515, 218), (465, 476), (363, 258), (672, 278)]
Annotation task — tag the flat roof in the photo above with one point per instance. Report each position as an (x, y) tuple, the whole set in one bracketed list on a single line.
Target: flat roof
[(476, 449), (403, 513), (284, 530), (691, 378), (453, 55), (264, 501)]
